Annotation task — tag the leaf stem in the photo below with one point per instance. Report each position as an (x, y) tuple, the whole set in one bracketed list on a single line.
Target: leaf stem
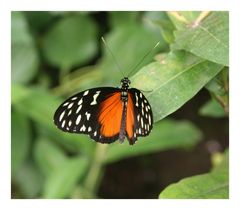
[(200, 18), (179, 17), (96, 168)]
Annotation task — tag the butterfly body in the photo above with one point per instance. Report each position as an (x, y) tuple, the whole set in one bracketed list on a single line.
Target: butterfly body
[(107, 114)]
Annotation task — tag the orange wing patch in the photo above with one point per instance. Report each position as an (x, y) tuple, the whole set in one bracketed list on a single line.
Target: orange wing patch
[(110, 115), (130, 117)]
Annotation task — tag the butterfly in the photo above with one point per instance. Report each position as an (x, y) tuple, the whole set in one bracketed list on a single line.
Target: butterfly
[(107, 114)]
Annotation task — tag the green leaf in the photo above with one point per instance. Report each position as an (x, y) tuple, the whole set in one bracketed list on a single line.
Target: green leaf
[(173, 81), (48, 155), (71, 41), (41, 111), (118, 19), (18, 92), (161, 20), (20, 140), (200, 186), (210, 185), (24, 53), (218, 88), (181, 18), (208, 39), (28, 180), (166, 134), (212, 109), (63, 180), (38, 20)]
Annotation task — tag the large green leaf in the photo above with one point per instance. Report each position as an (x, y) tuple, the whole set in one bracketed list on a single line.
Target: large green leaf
[(40, 106), (28, 180), (72, 41), (181, 18), (166, 134), (173, 81), (211, 185), (25, 60), (48, 155), (63, 180), (208, 39), (20, 140), (161, 21), (39, 20)]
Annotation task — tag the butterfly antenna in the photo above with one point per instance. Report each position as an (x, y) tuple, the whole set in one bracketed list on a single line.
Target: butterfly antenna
[(143, 58), (115, 60)]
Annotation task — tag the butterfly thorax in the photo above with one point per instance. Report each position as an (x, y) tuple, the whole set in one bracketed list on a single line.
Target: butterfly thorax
[(125, 82)]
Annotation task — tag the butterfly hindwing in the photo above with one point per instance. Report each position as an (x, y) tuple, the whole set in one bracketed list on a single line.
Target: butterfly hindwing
[(80, 113), (143, 116)]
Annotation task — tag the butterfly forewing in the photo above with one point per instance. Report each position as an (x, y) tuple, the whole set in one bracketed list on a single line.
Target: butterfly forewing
[(143, 116), (80, 113)]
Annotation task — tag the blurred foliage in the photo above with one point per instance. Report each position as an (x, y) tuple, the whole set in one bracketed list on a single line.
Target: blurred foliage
[(214, 184), (55, 54)]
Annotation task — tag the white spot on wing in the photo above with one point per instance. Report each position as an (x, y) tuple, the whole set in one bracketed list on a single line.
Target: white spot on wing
[(95, 98), (70, 105), (83, 128), (79, 108), (61, 116), (80, 101), (63, 123), (88, 115), (74, 98), (69, 123), (149, 119), (140, 95), (65, 104), (136, 99), (89, 129), (86, 92), (95, 133), (69, 112), (141, 121), (138, 116), (78, 119), (147, 116), (139, 130)]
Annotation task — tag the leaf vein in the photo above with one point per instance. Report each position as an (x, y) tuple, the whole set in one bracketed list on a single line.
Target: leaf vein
[(175, 76)]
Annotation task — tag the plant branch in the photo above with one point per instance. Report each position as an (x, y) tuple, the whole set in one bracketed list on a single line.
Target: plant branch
[(94, 174)]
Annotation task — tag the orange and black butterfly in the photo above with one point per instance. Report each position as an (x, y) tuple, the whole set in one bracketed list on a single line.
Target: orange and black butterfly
[(107, 114)]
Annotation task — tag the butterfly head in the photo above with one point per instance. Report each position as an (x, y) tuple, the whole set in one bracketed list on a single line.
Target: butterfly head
[(125, 82)]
